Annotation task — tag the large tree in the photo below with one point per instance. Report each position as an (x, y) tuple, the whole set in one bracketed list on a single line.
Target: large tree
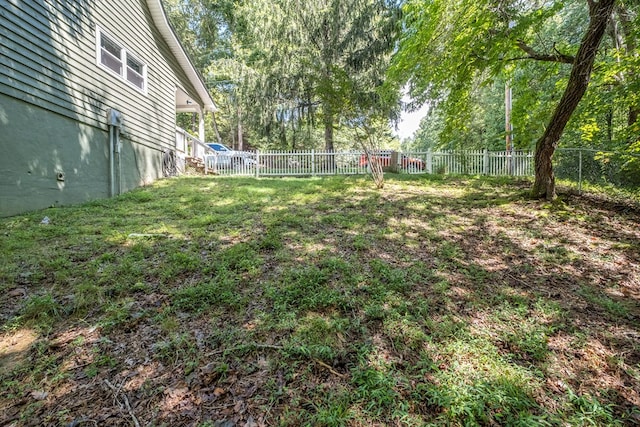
[(450, 47), (287, 69), (321, 55), (582, 65)]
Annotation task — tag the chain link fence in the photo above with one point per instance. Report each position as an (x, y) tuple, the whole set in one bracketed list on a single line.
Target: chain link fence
[(582, 166)]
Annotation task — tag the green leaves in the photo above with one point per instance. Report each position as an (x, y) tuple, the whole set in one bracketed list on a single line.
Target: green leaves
[(310, 59), (457, 56)]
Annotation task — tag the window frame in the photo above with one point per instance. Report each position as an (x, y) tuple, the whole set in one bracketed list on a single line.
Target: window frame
[(126, 55)]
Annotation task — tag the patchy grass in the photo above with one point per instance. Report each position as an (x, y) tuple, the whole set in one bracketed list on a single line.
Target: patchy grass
[(209, 302)]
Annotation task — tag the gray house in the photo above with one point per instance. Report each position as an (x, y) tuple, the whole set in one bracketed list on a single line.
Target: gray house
[(89, 92)]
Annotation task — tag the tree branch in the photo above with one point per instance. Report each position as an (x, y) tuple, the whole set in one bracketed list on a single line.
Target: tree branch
[(127, 405), (554, 57)]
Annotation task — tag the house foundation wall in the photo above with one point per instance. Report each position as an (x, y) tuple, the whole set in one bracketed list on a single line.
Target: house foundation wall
[(48, 159)]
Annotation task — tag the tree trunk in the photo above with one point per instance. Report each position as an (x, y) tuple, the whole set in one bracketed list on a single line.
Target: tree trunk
[(545, 183), (627, 40), (328, 129), (283, 131), (609, 118), (215, 127), (600, 13), (632, 116), (240, 136), (293, 135), (329, 163)]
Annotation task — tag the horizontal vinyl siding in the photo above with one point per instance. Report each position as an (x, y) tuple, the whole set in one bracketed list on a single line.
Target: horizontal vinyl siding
[(63, 75), (134, 28), (44, 80)]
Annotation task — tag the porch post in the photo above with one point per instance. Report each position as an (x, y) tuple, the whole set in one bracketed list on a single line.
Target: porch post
[(201, 113)]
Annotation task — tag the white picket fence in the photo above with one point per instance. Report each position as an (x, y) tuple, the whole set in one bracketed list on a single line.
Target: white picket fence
[(311, 163), (318, 163), (478, 162)]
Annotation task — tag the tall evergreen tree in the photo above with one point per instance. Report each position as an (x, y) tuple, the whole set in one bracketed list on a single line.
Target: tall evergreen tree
[(326, 56)]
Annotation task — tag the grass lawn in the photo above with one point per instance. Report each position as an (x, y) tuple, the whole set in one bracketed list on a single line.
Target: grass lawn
[(324, 302)]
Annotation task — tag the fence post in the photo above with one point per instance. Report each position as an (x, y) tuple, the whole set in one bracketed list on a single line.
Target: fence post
[(485, 166), (580, 171), (313, 162), (257, 163), (429, 162)]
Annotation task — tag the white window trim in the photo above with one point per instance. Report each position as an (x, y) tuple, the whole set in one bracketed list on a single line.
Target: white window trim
[(123, 59)]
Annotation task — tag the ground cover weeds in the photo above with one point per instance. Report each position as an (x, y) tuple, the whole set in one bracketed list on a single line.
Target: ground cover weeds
[(284, 302)]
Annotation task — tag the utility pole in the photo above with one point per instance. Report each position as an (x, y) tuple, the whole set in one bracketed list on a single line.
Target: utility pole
[(508, 96), (508, 127)]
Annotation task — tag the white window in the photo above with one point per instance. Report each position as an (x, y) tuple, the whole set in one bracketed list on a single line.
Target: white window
[(113, 56), (135, 71)]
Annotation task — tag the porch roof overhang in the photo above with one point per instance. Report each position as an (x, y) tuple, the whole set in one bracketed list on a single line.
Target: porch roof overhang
[(161, 21), (185, 102)]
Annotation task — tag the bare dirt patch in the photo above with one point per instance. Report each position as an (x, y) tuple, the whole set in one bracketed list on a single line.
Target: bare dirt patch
[(14, 347)]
